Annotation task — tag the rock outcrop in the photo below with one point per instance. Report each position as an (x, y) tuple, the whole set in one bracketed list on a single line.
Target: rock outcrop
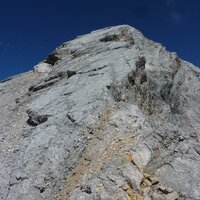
[(109, 115)]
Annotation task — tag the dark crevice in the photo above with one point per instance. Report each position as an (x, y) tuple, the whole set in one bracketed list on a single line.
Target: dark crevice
[(71, 118), (128, 37), (76, 53), (124, 35), (131, 78), (140, 63), (41, 189), (38, 87), (68, 93), (86, 189), (96, 74), (116, 91), (93, 70), (109, 38), (165, 91), (52, 58), (35, 119), (58, 75), (108, 87), (51, 81), (70, 73)]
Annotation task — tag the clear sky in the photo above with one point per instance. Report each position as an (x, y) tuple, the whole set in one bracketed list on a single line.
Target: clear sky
[(31, 29)]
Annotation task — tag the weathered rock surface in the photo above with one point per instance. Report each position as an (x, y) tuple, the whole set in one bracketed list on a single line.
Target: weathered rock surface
[(109, 115)]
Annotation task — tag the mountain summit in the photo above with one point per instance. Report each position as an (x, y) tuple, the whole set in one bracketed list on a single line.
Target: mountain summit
[(109, 115)]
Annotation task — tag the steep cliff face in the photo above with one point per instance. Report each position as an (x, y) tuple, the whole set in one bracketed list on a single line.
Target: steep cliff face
[(109, 115)]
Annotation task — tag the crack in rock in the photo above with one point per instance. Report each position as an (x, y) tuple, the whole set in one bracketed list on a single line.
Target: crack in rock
[(35, 119)]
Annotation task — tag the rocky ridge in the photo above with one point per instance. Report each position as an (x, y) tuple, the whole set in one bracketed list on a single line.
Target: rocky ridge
[(109, 115)]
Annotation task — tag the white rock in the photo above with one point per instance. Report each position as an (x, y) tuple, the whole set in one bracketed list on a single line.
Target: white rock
[(42, 68)]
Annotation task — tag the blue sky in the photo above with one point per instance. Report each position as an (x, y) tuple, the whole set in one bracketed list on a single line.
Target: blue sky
[(31, 29)]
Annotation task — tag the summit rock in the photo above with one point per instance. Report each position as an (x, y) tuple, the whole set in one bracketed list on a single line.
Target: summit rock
[(108, 115)]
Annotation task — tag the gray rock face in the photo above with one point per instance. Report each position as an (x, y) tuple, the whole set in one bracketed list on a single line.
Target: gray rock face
[(109, 115)]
